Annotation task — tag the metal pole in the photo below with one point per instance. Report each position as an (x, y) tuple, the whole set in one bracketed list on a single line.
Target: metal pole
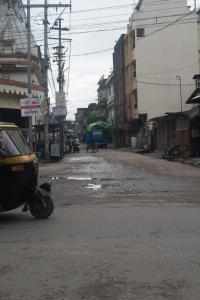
[(59, 58), (59, 52), (198, 36), (180, 88), (46, 64), (29, 70)]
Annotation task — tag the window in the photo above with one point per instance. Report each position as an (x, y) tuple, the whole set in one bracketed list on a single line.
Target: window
[(8, 46), (136, 99), (12, 143), (8, 49), (134, 68), (140, 32)]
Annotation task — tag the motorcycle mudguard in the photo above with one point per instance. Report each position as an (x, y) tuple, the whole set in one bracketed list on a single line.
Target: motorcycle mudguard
[(46, 187)]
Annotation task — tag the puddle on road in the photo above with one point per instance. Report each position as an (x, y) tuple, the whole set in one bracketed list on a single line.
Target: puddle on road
[(94, 187), (79, 178), (54, 178), (83, 159)]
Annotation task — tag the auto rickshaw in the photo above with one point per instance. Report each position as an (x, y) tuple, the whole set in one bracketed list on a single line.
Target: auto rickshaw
[(19, 175)]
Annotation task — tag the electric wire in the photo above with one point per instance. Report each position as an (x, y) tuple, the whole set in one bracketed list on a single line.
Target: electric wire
[(168, 71), (111, 29), (96, 25), (94, 52), (116, 7), (91, 10), (69, 60), (166, 26), (164, 84), (111, 22)]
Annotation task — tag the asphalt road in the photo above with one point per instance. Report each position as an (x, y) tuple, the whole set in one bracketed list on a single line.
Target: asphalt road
[(125, 227)]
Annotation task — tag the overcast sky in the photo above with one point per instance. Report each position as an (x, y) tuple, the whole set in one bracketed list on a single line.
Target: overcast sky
[(86, 69)]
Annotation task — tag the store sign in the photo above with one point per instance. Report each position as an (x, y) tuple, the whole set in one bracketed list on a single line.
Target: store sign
[(33, 107), (59, 111), (30, 107)]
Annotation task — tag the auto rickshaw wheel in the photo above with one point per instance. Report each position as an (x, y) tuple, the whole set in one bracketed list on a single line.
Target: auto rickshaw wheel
[(41, 207)]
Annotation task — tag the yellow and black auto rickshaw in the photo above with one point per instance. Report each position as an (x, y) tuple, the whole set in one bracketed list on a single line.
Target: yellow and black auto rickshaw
[(19, 175)]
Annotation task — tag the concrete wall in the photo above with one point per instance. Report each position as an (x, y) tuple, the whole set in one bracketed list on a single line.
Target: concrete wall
[(164, 53), (10, 101)]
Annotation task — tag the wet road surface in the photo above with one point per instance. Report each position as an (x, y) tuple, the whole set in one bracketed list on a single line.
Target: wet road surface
[(125, 226)]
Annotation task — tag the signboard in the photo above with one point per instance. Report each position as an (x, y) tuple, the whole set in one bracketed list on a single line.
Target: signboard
[(30, 107), (60, 99), (59, 111), (33, 107)]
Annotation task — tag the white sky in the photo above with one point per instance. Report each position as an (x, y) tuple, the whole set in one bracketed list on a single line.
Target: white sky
[(85, 70)]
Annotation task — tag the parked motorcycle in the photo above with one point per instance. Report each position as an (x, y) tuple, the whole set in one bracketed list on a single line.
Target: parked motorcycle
[(170, 153), (76, 148)]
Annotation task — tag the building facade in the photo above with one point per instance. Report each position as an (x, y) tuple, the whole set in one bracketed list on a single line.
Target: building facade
[(119, 90), (110, 100), (194, 118), (166, 55), (13, 63), (130, 74)]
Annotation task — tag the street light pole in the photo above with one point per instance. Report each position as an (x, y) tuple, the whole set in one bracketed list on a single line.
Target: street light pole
[(178, 77)]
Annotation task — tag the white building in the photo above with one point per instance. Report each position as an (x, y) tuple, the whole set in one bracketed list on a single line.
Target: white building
[(166, 51)]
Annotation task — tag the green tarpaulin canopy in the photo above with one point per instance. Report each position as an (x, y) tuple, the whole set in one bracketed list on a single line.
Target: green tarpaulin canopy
[(99, 124)]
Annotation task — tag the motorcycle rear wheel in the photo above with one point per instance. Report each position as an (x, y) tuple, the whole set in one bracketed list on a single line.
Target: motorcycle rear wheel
[(41, 208)]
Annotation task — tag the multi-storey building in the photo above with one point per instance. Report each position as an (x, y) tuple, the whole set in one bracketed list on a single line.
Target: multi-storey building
[(119, 90), (16, 5), (130, 74), (127, 118), (83, 117), (101, 108), (80, 121), (110, 100), (13, 63), (166, 52), (133, 119)]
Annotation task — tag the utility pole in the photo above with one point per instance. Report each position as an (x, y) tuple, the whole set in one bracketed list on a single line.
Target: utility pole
[(59, 52), (29, 70), (46, 58), (59, 58), (46, 67), (178, 77), (197, 11), (198, 35)]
